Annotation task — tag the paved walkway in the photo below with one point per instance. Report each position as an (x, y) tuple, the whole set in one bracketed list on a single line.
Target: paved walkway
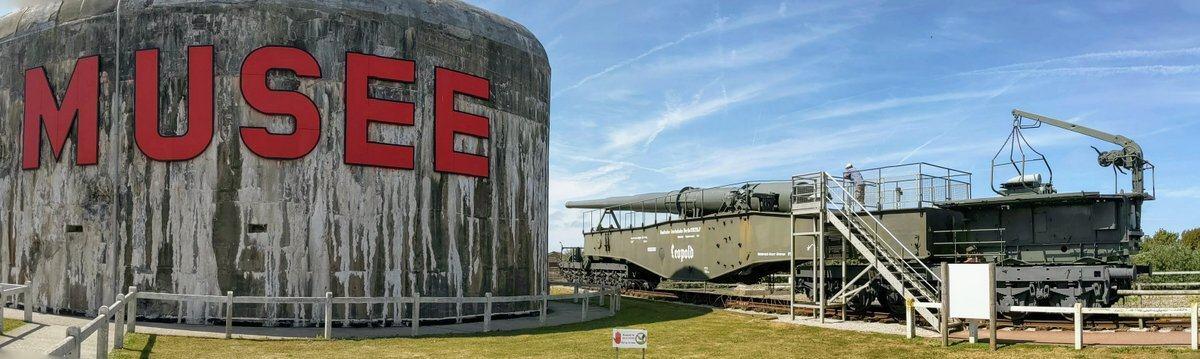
[(33, 339)]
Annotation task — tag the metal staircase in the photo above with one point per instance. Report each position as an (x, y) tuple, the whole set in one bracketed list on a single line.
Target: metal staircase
[(834, 204)]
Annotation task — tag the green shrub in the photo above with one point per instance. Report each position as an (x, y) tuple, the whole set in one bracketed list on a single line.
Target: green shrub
[(1191, 238), (1160, 238), (1165, 252)]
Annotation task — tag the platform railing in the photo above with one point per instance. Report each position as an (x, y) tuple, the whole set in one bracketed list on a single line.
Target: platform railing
[(911, 185), (127, 304)]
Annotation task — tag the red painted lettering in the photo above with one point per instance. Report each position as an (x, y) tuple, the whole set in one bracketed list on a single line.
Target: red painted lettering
[(448, 122), (42, 108), (362, 109), (200, 107), (307, 120)]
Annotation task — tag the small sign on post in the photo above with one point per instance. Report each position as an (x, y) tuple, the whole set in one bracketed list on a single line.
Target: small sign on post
[(625, 338), (972, 289)]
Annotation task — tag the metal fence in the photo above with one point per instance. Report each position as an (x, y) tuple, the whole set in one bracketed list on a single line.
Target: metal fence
[(124, 310)]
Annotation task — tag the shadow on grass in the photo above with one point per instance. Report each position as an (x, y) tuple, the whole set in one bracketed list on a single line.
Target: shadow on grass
[(9, 339), (149, 347)]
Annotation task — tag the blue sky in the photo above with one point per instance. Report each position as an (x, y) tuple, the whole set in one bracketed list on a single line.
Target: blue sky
[(657, 95)]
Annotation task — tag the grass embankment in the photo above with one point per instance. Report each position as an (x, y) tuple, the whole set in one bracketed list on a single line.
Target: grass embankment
[(10, 324), (675, 331)]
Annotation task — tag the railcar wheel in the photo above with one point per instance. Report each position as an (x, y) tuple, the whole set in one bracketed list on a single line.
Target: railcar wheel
[(891, 301)]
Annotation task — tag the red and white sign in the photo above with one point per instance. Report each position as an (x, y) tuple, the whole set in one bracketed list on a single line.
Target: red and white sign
[(629, 338)]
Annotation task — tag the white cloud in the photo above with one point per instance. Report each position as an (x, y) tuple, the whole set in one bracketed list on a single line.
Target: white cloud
[(1185, 192)]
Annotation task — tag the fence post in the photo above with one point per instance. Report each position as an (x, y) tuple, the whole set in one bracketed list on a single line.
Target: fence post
[(612, 302), (131, 310), (618, 298), (944, 311), (328, 315), (584, 311), (1195, 336), (487, 313), (228, 314), (73, 333), (910, 328), (458, 309), (972, 331), (1078, 326), (3, 303), (27, 297), (542, 313), (600, 297), (119, 318), (576, 292), (102, 334), (398, 306), (416, 314)]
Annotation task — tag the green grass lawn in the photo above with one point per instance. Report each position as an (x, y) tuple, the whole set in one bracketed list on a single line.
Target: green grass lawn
[(676, 331), (10, 324)]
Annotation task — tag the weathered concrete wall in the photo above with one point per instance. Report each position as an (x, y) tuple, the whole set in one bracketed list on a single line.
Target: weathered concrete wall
[(356, 231)]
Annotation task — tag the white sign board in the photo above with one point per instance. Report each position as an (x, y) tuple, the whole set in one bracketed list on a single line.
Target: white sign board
[(629, 338), (970, 291)]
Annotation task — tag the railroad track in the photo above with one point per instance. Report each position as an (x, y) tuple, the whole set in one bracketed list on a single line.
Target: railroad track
[(779, 306)]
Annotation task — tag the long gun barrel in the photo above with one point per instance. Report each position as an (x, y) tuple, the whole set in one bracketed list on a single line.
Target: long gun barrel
[(692, 202)]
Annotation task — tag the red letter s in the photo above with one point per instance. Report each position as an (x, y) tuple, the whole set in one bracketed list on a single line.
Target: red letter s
[(278, 102)]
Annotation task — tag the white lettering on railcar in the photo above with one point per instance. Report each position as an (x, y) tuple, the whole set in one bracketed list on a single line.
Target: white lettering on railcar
[(679, 231), (682, 253)]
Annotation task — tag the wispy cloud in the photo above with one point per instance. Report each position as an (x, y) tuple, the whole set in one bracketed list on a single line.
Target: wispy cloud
[(1184, 192), (1164, 70), (700, 105), (1078, 65), (877, 105), (1100, 56), (768, 50), (720, 25)]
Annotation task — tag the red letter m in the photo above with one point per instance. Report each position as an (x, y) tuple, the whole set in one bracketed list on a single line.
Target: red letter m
[(42, 108)]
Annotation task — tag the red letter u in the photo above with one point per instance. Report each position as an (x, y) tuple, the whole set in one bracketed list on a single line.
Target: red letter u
[(200, 107)]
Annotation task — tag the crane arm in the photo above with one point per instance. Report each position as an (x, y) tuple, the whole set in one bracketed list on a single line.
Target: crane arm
[(1118, 140), (1129, 157)]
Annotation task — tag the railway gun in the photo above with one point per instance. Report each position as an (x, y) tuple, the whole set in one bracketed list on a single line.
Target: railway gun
[(877, 236)]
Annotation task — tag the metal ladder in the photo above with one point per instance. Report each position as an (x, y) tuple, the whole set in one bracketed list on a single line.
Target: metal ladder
[(884, 253)]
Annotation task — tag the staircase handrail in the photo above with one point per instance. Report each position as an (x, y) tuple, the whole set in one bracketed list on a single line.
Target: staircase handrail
[(855, 201)]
